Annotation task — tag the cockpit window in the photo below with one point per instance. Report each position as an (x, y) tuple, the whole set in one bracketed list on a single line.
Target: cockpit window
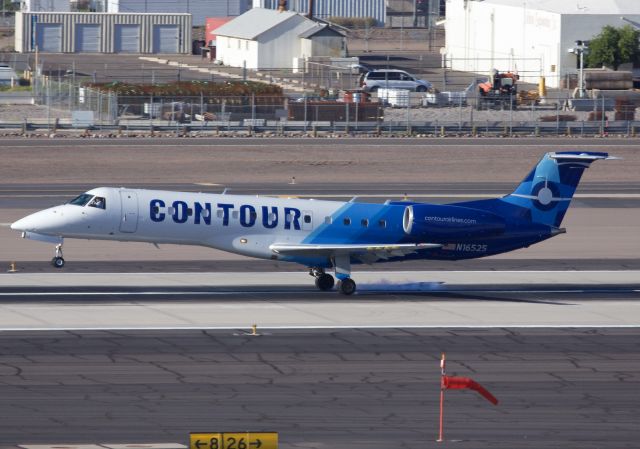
[(98, 202), (81, 200)]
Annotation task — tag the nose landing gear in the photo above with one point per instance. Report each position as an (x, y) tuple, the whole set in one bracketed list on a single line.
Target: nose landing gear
[(58, 260)]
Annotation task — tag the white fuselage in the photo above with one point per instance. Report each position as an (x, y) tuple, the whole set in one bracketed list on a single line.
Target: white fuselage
[(240, 224)]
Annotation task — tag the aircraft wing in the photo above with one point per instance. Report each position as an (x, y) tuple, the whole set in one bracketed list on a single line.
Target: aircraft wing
[(367, 253)]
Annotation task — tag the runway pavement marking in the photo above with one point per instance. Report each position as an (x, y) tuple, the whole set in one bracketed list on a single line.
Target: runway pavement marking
[(181, 273), (144, 446), (60, 446), (105, 445), (363, 288), (355, 326)]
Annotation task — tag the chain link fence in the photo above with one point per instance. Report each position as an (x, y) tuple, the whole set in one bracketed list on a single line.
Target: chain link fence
[(62, 104)]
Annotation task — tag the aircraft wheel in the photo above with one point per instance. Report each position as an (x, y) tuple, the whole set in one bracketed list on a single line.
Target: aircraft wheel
[(347, 286), (57, 262), (324, 282)]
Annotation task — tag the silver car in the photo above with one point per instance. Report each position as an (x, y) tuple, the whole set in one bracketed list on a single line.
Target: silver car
[(392, 79)]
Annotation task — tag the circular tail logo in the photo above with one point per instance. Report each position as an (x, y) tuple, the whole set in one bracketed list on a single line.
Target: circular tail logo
[(546, 194)]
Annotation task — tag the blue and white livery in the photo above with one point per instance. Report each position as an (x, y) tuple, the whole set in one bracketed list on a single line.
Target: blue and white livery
[(322, 235)]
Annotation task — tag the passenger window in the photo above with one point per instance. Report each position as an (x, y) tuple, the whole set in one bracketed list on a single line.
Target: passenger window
[(189, 212), (382, 223), (328, 220), (234, 214), (220, 213), (98, 202), (307, 218), (171, 210), (253, 215), (347, 221), (364, 222)]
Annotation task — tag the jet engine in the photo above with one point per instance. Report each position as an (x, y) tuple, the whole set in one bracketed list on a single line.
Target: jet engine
[(443, 223)]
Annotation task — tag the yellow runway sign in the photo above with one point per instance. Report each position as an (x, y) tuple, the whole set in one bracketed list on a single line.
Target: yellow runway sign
[(233, 440)]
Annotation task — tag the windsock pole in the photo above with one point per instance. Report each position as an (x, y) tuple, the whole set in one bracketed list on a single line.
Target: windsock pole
[(442, 374)]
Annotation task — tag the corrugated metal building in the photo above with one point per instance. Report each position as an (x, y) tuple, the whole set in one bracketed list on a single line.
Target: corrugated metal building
[(323, 9), (77, 32), (200, 9), (45, 5)]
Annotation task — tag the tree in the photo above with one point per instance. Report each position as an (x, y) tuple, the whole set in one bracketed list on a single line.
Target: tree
[(614, 46), (628, 45)]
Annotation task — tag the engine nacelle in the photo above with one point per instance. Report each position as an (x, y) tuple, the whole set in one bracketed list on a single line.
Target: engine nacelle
[(442, 223)]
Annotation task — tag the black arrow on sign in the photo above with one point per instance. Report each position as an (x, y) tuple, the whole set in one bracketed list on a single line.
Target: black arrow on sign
[(198, 444), (256, 443)]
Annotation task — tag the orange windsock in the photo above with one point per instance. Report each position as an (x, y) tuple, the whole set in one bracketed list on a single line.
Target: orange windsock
[(460, 383)]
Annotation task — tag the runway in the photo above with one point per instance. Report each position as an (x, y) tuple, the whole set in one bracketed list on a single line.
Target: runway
[(283, 300), (351, 388), (130, 344)]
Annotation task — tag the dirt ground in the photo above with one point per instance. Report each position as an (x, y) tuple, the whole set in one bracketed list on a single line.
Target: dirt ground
[(154, 160)]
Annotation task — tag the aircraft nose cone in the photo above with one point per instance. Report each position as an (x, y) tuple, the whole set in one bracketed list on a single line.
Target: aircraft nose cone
[(43, 221), (24, 224)]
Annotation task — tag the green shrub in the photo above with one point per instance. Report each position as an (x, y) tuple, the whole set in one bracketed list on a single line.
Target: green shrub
[(189, 89)]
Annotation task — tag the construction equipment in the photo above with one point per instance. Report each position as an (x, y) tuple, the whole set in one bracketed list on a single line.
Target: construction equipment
[(499, 91)]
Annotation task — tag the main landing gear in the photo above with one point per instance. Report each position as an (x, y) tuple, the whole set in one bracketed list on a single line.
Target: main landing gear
[(345, 284), (324, 281), (58, 260)]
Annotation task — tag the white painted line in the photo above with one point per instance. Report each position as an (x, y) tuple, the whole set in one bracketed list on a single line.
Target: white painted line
[(372, 273), (354, 326), (144, 446), (60, 446), (363, 288)]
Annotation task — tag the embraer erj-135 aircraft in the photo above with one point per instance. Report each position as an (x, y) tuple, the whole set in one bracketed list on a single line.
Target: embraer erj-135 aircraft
[(322, 234)]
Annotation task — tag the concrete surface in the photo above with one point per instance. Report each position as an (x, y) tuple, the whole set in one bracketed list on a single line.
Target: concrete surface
[(289, 300)]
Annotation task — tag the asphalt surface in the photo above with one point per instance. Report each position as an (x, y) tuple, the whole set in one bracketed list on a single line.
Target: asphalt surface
[(323, 389), (259, 265), (591, 195)]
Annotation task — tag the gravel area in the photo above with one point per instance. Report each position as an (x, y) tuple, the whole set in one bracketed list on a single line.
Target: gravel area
[(468, 114), (18, 112)]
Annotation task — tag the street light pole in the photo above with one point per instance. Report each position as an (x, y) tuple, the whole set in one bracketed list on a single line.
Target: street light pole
[(581, 80), (579, 50)]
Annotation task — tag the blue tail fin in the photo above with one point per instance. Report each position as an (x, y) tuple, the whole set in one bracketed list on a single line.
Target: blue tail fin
[(545, 194), (548, 189)]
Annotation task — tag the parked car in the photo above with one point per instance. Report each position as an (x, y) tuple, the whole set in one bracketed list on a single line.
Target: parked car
[(7, 74), (392, 79)]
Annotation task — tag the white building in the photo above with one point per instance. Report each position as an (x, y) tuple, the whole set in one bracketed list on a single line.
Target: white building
[(528, 36), (45, 5), (199, 9), (265, 38)]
